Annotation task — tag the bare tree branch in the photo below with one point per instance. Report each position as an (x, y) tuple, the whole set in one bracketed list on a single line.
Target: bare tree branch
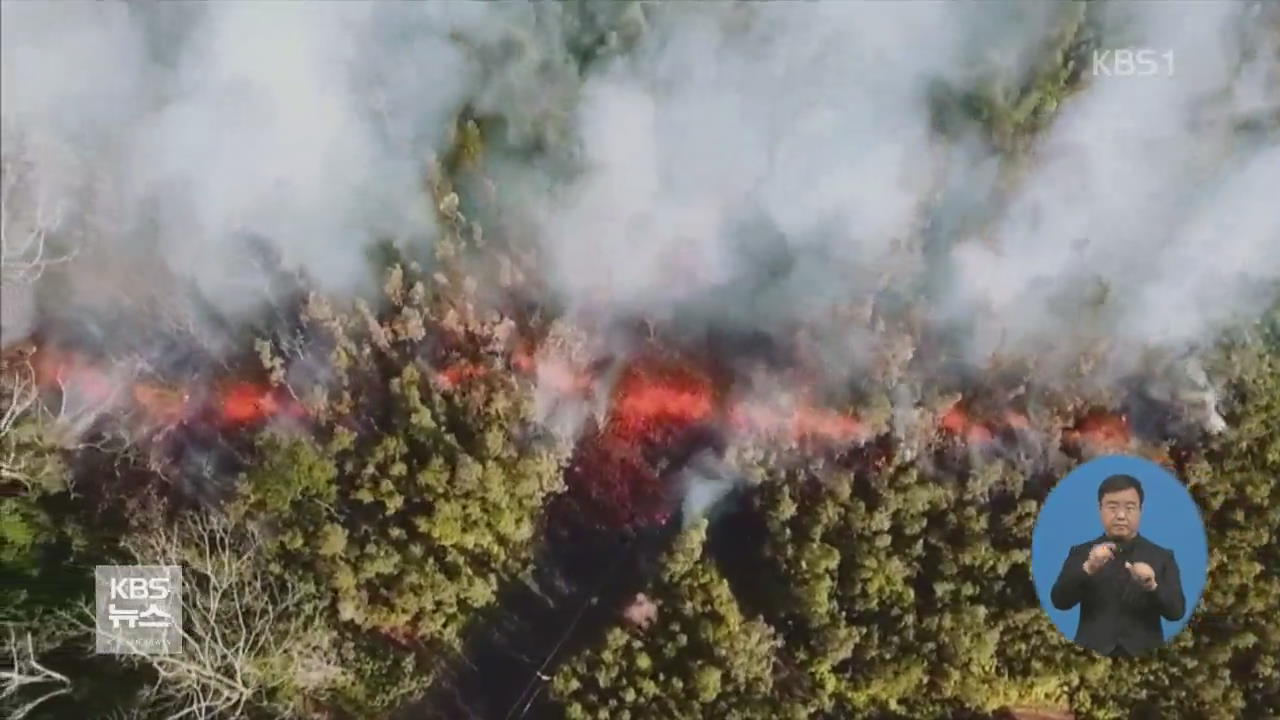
[(26, 672), (25, 225), (248, 639), (21, 393)]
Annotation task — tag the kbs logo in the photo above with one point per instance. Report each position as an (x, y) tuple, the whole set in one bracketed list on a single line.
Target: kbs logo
[(136, 588), (139, 609), (1132, 62)]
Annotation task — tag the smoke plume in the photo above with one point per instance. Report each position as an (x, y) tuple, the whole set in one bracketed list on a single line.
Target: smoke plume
[(756, 166)]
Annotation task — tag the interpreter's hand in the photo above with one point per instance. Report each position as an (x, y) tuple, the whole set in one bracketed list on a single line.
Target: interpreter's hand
[(1142, 574), (1099, 555)]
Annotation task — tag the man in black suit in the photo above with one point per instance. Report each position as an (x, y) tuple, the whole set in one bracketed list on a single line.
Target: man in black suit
[(1123, 582)]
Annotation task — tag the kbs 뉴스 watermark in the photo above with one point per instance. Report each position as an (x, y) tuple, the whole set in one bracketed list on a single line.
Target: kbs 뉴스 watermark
[(138, 609)]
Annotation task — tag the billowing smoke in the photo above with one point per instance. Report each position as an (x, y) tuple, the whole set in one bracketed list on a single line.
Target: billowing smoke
[(171, 132), (765, 164), (1143, 218), (757, 166), (706, 480), (739, 137)]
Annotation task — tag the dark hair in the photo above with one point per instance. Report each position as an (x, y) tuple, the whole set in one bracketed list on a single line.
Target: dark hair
[(1117, 483)]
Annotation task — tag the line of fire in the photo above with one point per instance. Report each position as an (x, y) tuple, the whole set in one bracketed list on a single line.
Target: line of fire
[(654, 433)]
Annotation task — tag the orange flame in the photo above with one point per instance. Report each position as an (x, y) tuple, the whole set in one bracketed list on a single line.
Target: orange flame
[(802, 422), (654, 392), (652, 398), (613, 472), (236, 403), (958, 422), (163, 404), (71, 369), (675, 393), (522, 359), (617, 469), (242, 403), (1102, 430), (458, 373), (559, 374), (827, 424)]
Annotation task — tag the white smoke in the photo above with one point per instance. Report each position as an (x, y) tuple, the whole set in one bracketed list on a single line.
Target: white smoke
[(1135, 195), (1139, 217), (809, 119), (704, 481), (757, 164), (171, 130)]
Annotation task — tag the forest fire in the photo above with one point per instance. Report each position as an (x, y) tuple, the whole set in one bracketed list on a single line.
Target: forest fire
[(246, 403), (662, 409), (649, 394), (957, 421), (652, 391), (1101, 430), (803, 421), (616, 474), (458, 373), (653, 395), (229, 403)]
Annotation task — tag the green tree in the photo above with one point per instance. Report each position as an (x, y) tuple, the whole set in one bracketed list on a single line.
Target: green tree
[(701, 658), (418, 489)]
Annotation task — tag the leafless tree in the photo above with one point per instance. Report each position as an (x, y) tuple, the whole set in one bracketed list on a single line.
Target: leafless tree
[(26, 222), (248, 639), (18, 395), (25, 673)]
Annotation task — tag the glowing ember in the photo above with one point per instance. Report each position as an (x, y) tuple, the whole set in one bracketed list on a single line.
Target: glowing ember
[(815, 422), (802, 422), (1102, 430), (656, 401), (652, 396), (243, 403), (236, 403), (651, 392), (614, 476), (954, 421), (73, 372), (458, 373), (957, 422), (523, 361), (612, 484), (162, 404), (979, 435)]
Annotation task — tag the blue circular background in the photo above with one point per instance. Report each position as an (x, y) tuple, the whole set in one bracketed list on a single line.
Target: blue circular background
[(1069, 517)]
